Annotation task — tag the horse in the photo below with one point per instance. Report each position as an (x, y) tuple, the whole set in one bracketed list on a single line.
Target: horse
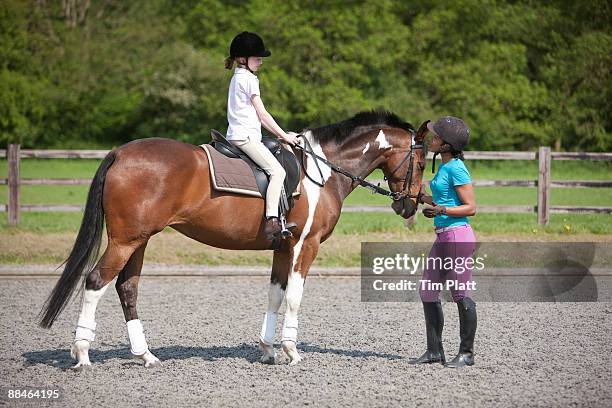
[(146, 185)]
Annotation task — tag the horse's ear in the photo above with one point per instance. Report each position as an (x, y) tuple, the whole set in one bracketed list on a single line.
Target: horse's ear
[(422, 132)]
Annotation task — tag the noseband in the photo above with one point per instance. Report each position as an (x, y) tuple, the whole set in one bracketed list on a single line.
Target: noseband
[(405, 192)]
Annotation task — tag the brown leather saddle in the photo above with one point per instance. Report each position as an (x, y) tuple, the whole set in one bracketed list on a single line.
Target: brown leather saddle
[(285, 157)]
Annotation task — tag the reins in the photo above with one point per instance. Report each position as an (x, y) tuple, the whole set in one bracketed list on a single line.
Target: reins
[(307, 149)]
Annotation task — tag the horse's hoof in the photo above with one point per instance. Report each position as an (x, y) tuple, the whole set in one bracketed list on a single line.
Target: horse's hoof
[(150, 361), (269, 355), (79, 350), (269, 360), (82, 367), (295, 361), (289, 347), (153, 364)]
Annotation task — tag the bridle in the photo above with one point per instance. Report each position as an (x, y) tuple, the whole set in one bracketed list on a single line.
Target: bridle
[(395, 195), (405, 192)]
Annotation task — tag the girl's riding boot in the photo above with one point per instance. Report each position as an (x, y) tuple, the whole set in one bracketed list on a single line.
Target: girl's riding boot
[(467, 331), (434, 323), (272, 227)]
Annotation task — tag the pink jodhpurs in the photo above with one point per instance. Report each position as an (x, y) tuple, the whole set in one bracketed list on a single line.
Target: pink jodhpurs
[(458, 242)]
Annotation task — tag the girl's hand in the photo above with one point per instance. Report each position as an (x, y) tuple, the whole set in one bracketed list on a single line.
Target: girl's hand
[(290, 139)]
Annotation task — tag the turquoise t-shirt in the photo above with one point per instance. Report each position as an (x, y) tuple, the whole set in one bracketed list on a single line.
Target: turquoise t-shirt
[(449, 175)]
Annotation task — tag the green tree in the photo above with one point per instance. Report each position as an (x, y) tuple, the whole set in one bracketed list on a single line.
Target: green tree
[(100, 73)]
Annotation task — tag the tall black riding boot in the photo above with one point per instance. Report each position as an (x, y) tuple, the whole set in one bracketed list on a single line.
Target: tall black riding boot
[(434, 323), (467, 331)]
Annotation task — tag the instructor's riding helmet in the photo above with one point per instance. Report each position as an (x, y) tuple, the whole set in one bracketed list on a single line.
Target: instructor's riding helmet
[(452, 130)]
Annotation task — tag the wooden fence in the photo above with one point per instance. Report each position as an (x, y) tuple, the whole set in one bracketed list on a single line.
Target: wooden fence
[(543, 183)]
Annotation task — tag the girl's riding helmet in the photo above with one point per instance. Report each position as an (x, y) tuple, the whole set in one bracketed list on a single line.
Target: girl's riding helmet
[(248, 44)]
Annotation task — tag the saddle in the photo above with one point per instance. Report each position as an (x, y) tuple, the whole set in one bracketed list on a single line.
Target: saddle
[(233, 171)]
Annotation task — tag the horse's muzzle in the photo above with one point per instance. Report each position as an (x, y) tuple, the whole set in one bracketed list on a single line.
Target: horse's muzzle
[(404, 207)]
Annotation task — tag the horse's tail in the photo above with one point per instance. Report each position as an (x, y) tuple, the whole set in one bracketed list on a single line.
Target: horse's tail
[(85, 250)]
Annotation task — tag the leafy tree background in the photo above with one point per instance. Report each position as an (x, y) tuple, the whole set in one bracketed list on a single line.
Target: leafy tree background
[(98, 73)]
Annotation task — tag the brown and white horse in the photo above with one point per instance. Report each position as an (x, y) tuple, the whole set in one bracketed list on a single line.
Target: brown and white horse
[(146, 185)]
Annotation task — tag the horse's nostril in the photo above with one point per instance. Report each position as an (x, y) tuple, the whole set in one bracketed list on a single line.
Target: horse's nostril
[(409, 208), (404, 207), (398, 206)]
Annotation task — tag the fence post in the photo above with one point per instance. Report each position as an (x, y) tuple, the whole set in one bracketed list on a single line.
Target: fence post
[(544, 159), (13, 156)]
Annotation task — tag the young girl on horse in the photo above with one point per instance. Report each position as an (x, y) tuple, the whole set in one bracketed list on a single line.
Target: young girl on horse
[(452, 202), (246, 113)]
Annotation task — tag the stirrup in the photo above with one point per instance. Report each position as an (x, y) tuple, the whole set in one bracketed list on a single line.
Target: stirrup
[(285, 227), (286, 231)]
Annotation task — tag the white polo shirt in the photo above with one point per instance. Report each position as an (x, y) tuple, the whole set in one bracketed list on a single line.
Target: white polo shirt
[(241, 115)]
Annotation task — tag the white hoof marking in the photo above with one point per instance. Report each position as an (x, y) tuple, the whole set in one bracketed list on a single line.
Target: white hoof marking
[(81, 366), (150, 361), (80, 352), (291, 351), (269, 355)]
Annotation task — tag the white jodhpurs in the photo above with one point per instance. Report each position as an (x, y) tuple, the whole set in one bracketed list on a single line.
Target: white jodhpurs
[(256, 150)]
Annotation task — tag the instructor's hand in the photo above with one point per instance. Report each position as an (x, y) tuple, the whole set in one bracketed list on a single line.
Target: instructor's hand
[(426, 199), (431, 212)]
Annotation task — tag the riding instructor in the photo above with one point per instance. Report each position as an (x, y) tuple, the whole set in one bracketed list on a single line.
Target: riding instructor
[(452, 201), (246, 113)]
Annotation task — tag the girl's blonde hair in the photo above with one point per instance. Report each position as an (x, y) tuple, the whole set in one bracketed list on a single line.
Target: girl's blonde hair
[(229, 61)]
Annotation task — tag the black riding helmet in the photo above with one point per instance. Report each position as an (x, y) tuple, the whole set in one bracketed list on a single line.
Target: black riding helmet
[(452, 131), (248, 44)]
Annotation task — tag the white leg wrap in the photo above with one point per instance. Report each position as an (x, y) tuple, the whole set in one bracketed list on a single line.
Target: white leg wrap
[(86, 330), (268, 328), (290, 329), (138, 343), (86, 326)]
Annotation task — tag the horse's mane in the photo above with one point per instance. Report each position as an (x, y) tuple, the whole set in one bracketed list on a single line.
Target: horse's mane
[(343, 130)]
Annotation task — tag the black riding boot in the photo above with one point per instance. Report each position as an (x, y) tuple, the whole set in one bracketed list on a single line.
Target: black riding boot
[(434, 323), (467, 331)]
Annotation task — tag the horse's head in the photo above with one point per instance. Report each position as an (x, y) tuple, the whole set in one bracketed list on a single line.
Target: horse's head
[(403, 168)]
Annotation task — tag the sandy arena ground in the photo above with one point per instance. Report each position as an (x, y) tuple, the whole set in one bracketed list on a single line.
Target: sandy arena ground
[(204, 330)]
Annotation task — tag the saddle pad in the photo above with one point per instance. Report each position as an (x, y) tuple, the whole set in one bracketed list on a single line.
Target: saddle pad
[(232, 175)]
